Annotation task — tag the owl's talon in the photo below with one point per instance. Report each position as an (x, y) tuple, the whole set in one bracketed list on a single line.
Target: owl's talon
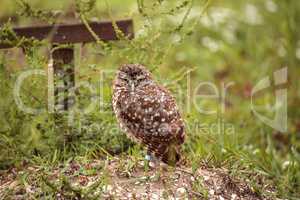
[(152, 165), (150, 161)]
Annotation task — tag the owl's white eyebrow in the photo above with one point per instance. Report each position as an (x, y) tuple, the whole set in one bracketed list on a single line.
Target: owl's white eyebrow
[(140, 76), (122, 75)]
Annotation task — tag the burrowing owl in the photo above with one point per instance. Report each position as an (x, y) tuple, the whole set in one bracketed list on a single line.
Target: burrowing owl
[(147, 112)]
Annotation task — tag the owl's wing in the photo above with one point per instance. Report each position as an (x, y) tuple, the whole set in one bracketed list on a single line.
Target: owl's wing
[(151, 115)]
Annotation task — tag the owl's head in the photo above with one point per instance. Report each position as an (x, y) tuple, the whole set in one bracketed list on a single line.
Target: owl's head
[(134, 74)]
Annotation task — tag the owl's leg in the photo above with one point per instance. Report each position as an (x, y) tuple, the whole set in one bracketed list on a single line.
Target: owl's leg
[(151, 161), (148, 157)]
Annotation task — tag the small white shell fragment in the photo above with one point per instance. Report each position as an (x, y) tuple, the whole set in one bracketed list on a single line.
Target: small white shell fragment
[(181, 190)]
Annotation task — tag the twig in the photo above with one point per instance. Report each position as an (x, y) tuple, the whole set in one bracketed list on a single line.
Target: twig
[(196, 193), (98, 40), (185, 171)]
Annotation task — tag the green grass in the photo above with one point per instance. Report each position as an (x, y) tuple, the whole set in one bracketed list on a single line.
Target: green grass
[(222, 45)]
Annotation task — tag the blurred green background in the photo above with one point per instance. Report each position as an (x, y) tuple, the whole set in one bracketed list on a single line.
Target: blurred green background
[(184, 44)]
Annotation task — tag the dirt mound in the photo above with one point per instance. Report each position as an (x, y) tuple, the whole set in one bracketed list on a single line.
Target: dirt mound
[(121, 178)]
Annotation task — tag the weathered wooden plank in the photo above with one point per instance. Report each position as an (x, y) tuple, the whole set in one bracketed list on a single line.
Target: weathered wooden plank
[(74, 33), (64, 81)]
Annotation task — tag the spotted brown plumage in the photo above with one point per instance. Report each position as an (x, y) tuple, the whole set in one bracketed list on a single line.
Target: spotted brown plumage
[(147, 112)]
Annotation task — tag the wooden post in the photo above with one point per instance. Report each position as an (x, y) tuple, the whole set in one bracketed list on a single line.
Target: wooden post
[(64, 77)]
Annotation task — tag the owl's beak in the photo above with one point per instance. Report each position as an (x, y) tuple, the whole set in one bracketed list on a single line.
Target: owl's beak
[(132, 86)]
